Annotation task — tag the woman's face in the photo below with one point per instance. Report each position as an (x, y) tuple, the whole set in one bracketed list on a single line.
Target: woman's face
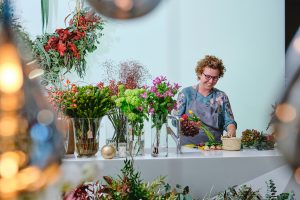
[(209, 77)]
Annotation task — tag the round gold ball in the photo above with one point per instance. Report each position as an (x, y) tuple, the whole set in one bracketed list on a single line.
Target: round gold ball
[(108, 151)]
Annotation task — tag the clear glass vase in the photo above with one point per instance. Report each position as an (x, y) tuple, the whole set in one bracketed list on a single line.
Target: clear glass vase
[(66, 127), (117, 132), (159, 137), (135, 139), (86, 135)]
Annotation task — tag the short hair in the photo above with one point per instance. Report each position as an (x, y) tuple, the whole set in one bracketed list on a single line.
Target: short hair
[(211, 62)]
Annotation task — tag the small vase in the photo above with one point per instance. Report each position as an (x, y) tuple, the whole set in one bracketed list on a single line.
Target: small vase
[(135, 139), (86, 134), (159, 139)]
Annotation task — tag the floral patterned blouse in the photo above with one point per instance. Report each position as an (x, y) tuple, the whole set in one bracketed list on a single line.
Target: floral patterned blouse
[(217, 100)]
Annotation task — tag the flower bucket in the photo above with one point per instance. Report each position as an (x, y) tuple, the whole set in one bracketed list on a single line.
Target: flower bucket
[(86, 134), (135, 139)]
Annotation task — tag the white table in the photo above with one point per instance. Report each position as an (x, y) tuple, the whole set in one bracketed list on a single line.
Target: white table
[(203, 171)]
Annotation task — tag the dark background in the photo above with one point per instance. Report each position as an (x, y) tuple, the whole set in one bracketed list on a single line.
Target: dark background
[(292, 19)]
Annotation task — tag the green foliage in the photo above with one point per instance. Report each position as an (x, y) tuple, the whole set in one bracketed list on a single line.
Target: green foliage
[(259, 140), (250, 137), (244, 192), (271, 190), (82, 101), (130, 186), (247, 193), (265, 142), (91, 102), (66, 49), (133, 106)]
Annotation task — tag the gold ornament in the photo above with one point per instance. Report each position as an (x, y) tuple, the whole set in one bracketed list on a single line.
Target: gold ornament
[(108, 151)]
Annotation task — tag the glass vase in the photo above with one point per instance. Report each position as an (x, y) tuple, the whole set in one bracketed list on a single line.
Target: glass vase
[(86, 135), (159, 138), (117, 131), (135, 139), (66, 127)]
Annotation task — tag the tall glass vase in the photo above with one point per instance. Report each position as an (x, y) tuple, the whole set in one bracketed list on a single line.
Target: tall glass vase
[(135, 139), (86, 134), (117, 134), (159, 136), (66, 126)]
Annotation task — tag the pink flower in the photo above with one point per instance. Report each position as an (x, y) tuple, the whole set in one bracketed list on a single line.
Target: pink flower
[(144, 95), (151, 110)]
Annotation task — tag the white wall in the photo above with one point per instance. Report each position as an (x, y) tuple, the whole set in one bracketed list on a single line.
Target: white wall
[(247, 35)]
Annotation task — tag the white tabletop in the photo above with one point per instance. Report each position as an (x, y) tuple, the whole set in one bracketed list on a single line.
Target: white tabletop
[(201, 170)]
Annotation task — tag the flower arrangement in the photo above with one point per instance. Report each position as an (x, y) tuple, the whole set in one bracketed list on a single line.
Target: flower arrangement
[(160, 98), (131, 75), (128, 185), (191, 124), (250, 137), (66, 48), (81, 101), (134, 106), (247, 192), (258, 140), (86, 105)]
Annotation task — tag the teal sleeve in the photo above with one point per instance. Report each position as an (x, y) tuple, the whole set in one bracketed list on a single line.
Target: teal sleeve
[(228, 114)]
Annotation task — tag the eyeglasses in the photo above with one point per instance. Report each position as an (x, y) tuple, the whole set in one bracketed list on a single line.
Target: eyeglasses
[(208, 77)]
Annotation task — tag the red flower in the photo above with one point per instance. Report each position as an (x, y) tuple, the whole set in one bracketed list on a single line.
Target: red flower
[(73, 48), (184, 116), (61, 48)]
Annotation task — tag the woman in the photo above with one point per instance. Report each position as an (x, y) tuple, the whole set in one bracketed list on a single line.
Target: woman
[(207, 102)]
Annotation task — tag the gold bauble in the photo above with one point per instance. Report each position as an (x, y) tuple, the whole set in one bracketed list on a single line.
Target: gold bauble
[(108, 151)]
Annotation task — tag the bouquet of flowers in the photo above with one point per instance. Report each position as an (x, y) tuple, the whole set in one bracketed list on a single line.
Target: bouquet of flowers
[(130, 75), (250, 137), (66, 48), (160, 98), (259, 140), (134, 107), (86, 105), (81, 101), (191, 124)]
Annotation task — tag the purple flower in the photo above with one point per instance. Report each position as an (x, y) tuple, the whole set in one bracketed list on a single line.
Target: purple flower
[(153, 89), (176, 86), (151, 110), (168, 93)]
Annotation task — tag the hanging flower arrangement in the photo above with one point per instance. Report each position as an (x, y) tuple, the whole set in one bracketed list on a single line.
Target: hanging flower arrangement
[(66, 48)]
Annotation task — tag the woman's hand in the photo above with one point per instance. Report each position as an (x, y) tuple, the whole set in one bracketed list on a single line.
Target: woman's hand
[(231, 130)]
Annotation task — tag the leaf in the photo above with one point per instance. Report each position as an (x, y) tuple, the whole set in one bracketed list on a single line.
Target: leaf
[(45, 13)]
